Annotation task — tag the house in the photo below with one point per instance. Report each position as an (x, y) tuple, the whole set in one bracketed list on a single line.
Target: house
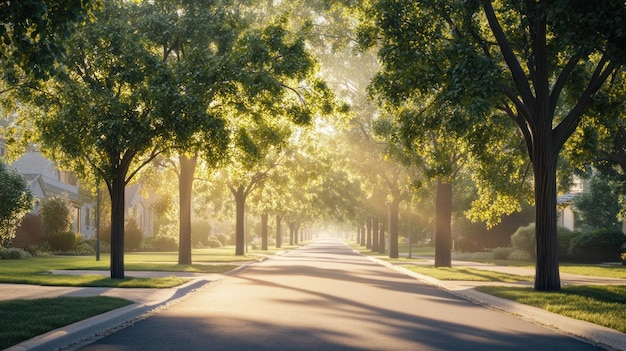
[(45, 179), (138, 207), (565, 210)]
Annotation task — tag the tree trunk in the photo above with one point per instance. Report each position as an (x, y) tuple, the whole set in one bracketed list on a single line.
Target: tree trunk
[(373, 222), (547, 276), (358, 234), (296, 233), (292, 227), (240, 200), (443, 232), (362, 229), (116, 191), (264, 231), (381, 238), (279, 231), (185, 184), (368, 241), (394, 210)]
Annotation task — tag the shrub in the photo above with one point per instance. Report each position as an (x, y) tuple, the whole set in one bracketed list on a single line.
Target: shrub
[(565, 237), (223, 239), (523, 240), (597, 246), (85, 249), (164, 243), (30, 232), (132, 235), (13, 253), (55, 212), (467, 244), (63, 241), (200, 232), (214, 243), (502, 253)]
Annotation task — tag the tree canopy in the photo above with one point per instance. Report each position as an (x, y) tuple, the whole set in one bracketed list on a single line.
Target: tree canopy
[(539, 63)]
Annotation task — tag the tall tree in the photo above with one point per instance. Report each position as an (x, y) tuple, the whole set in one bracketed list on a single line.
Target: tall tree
[(109, 109), (521, 58), (196, 40)]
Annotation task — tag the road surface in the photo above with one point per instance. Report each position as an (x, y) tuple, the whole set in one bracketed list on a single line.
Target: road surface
[(326, 297)]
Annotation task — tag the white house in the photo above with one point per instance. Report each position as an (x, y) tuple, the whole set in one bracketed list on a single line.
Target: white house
[(45, 179), (566, 213)]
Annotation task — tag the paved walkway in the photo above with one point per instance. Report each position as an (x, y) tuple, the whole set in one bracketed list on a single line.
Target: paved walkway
[(151, 300)]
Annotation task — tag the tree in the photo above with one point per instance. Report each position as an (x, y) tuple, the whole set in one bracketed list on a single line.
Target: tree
[(196, 40), (55, 212), (109, 110), (539, 63), (31, 33), (16, 201)]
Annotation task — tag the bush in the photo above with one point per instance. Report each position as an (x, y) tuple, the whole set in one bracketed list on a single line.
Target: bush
[(223, 239), (523, 240), (565, 237), (601, 245), (200, 232), (30, 232), (214, 243), (132, 235), (467, 244), (165, 243), (13, 253), (502, 253), (85, 249), (63, 241), (55, 211)]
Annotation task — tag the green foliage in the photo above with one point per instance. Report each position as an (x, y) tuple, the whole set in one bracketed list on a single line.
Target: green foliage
[(16, 201), (85, 249), (223, 239), (30, 232), (214, 243), (133, 235), (600, 206), (593, 246), (200, 232), (523, 240), (13, 253), (601, 245), (55, 212), (63, 241), (502, 253), (30, 37)]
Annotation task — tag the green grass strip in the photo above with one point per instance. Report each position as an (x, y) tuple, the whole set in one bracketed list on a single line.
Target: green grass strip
[(602, 305), (467, 274), (93, 281), (21, 320)]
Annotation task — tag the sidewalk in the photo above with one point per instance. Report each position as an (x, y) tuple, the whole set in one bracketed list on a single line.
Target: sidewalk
[(604, 337), (148, 301)]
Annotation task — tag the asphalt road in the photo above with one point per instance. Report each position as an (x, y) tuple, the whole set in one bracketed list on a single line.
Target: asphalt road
[(325, 297)]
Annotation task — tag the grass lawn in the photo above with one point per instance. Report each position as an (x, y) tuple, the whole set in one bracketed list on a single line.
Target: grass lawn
[(36, 270), (602, 305), (467, 274), (21, 320)]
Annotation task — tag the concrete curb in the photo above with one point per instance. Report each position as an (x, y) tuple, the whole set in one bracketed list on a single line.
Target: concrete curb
[(589, 332), (108, 322)]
